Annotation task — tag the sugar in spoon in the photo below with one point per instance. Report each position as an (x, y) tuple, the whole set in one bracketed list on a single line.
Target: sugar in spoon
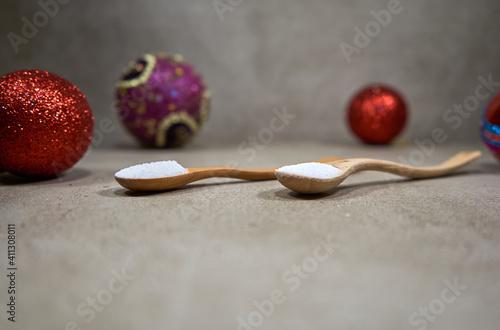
[(308, 178), (195, 174)]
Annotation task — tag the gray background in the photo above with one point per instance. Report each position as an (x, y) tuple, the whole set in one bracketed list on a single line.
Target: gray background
[(267, 54)]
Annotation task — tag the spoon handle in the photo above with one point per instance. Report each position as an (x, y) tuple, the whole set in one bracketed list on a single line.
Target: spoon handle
[(454, 163), (244, 174), (227, 172)]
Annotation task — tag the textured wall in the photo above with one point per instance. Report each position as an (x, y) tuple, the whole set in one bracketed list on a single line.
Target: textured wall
[(267, 54)]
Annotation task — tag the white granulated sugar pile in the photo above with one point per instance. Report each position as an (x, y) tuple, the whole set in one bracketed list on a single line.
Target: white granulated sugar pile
[(152, 170), (313, 170)]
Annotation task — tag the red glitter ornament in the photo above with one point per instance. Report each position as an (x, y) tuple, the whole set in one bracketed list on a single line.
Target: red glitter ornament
[(45, 124), (377, 114)]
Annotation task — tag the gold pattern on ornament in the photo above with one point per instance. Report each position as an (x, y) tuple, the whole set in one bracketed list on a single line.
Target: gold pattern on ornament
[(174, 119), (141, 109), (178, 72), (132, 104), (205, 106), (150, 125), (171, 106), (145, 72)]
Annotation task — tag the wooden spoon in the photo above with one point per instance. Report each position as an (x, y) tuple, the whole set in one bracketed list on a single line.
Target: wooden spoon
[(310, 185), (201, 173)]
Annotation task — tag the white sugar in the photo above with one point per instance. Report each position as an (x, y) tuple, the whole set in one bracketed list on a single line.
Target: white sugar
[(152, 170), (313, 170)]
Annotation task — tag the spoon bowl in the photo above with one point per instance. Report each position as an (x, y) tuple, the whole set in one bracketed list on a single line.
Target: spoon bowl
[(310, 185)]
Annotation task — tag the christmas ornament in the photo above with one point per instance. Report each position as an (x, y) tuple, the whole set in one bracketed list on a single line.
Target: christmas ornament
[(377, 114), (490, 126), (45, 124), (161, 100)]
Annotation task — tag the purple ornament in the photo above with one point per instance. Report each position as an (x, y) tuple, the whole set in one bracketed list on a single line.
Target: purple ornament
[(162, 100)]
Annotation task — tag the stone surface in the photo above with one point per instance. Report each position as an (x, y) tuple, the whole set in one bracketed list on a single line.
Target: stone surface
[(202, 256)]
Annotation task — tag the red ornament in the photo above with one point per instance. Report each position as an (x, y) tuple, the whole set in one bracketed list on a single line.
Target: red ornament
[(45, 124), (377, 114)]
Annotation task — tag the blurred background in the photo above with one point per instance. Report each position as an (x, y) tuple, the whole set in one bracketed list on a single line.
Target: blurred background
[(260, 55)]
